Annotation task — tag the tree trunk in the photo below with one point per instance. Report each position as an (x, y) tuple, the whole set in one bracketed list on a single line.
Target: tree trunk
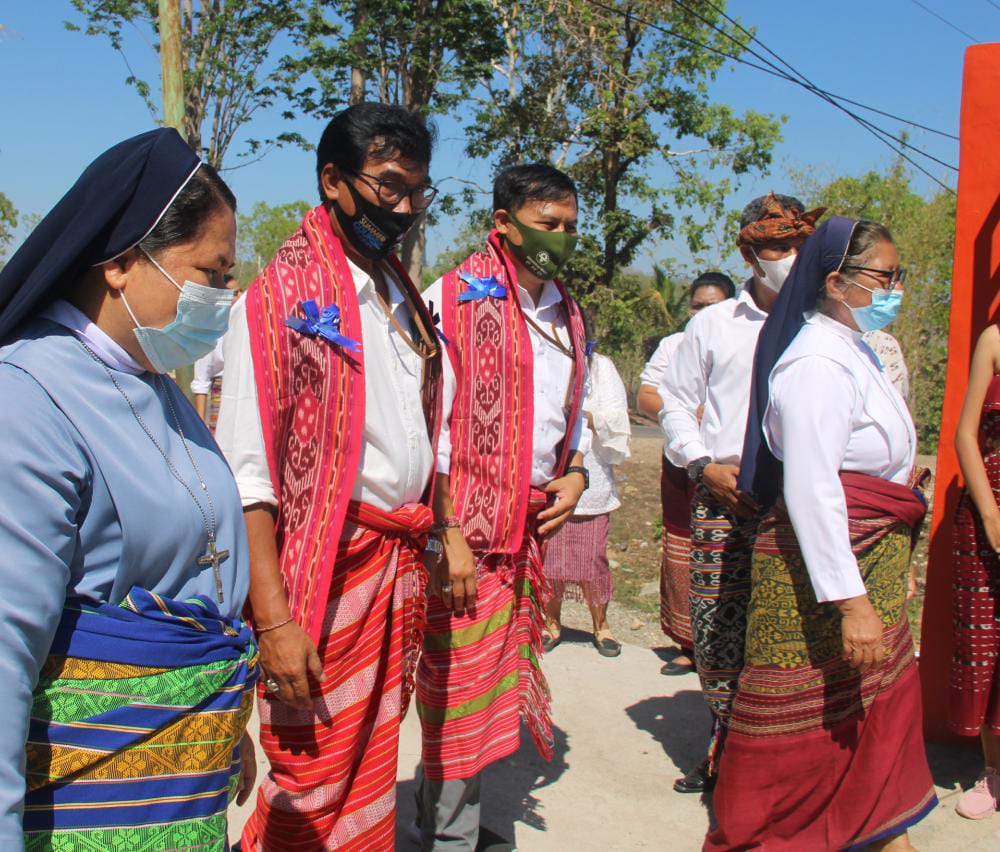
[(171, 64), (358, 76), (412, 252)]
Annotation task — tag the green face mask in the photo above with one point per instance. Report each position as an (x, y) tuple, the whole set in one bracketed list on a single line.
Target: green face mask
[(544, 253)]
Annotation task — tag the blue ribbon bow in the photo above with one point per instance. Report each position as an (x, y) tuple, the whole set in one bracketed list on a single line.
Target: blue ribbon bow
[(591, 346), (325, 324), (480, 288)]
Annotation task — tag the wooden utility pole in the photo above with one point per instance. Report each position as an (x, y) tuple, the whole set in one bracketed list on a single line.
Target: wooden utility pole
[(171, 64)]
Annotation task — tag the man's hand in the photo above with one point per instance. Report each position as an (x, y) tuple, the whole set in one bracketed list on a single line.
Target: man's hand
[(248, 769), (288, 656), (720, 480), (453, 579), (567, 490), (861, 632)]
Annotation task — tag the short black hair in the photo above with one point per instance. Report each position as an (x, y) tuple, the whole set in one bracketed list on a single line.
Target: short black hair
[(202, 196), (517, 185), (380, 131), (752, 212), (713, 279)]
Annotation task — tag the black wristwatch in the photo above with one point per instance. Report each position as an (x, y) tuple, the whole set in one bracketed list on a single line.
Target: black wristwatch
[(583, 472), (696, 470)]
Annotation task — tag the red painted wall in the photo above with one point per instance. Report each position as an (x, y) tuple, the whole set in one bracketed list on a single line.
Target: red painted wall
[(975, 287)]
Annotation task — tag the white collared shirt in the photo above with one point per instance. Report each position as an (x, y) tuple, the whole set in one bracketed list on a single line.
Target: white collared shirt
[(713, 366), (396, 456), (207, 368), (656, 366), (833, 408), (553, 372)]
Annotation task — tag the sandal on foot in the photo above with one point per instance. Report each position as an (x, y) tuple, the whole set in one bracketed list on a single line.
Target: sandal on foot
[(672, 669), (550, 638), (607, 645)]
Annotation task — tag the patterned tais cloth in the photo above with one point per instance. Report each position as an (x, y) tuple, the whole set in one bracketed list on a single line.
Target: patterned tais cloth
[(332, 783), (975, 675), (576, 560), (135, 727), (480, 672), (721, 547), (675, 559), (818, 756), (777, 222)]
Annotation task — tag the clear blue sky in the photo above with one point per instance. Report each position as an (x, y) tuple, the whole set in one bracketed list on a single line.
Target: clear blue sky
[(65, 99)]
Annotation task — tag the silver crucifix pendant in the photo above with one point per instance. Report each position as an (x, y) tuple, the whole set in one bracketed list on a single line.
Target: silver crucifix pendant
[(214, 557)]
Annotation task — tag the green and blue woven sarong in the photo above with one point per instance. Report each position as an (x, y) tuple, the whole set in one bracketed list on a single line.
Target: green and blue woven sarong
[(135, 727)]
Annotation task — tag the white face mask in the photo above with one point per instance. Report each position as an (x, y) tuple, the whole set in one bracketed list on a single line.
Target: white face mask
[(775, 271)]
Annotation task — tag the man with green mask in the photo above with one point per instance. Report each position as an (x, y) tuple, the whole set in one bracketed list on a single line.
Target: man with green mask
[(509, 472)]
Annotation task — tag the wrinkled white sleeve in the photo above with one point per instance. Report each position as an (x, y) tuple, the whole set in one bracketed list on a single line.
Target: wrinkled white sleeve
[(682, 389), (656, 366), (609, 412), (808, 425), (432, 298), (238, 431), (205, 369)]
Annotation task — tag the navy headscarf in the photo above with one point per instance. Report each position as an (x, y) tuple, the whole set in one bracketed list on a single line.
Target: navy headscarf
[(821, 254), (113, 205)]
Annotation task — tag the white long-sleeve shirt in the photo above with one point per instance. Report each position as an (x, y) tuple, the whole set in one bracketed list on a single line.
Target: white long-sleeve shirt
[(396, 455), (207, 368), (656, 366), (607, 404), (833, 408), (552, 372), (713, 366)]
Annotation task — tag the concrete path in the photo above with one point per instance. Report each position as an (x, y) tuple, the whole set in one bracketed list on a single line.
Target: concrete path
[(623, 733)]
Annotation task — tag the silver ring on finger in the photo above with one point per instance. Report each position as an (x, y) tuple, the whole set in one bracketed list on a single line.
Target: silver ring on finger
[(271, 685), (446, 588)]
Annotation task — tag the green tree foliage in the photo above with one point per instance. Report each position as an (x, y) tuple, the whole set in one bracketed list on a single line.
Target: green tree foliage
[(264, 229), (229, 75), (924, 231), (8, 223), (609, 92)]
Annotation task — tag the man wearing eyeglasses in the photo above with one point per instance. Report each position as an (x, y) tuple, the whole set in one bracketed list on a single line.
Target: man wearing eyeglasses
[(330, 409), (711, 372)]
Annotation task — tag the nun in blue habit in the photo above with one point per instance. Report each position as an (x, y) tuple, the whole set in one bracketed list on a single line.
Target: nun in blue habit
[(126, 672)]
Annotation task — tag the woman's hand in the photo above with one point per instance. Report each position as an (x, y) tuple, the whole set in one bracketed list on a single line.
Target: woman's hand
[(288, 656), (861, 633), (248, 769), (454, 577), (991, 525)]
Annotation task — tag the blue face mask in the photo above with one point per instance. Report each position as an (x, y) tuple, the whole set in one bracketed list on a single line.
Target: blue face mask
[(202, 318), (882, 311)]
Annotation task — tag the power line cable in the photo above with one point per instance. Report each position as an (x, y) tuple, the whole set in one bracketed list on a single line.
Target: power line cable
[(882, 135), (945, 21)]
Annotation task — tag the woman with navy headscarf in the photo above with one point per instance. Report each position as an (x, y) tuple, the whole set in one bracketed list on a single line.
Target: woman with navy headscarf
[(126, 674), (825, 749)]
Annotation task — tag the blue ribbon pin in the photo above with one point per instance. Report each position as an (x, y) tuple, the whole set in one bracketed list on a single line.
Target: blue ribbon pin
[(325, 324), (480, 288)]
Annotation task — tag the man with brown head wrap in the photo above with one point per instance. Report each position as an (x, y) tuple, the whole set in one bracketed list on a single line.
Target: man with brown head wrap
[(712, 369)]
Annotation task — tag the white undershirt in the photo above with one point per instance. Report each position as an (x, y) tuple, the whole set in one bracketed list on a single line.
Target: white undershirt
[(833, 408), (396, 457), (552, 374), (713, 366)]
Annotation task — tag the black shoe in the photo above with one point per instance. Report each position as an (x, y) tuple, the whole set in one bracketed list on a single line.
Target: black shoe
[(607, 647), (696, 781), (490, 841), (671, 668)]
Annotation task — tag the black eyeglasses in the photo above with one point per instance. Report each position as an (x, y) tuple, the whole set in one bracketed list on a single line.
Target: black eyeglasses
[(391, 191), (893, 277)]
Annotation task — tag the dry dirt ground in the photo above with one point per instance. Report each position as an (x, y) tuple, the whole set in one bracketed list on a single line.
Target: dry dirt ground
[(634, 548)]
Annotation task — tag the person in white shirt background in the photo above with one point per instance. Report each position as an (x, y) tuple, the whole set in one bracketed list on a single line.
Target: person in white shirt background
[(710, 374), (576, 555), (206, 386), (675, 492), (829, 691)]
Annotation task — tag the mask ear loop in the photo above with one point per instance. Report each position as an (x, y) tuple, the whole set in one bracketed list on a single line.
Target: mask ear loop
[(166, 274)]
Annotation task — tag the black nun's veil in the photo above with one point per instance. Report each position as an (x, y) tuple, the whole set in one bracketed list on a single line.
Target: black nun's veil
[(113, 205)]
